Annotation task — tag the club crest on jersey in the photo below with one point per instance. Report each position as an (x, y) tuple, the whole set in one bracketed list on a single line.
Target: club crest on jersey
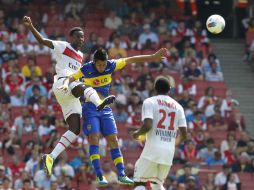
[(89, 127)]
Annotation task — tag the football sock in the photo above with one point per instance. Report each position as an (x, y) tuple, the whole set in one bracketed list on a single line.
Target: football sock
[(95, 159), (117, 157), (67, 138), (92, 95)]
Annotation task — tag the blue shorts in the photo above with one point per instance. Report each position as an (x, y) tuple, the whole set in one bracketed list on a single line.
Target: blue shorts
[(102, 122)]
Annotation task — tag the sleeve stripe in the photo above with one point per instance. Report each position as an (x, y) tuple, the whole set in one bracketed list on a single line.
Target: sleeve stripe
[(77, 75)]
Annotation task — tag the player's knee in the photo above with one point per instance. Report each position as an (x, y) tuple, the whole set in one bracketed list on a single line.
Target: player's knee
[(78, 91), (93, 139), (112, 141), (75, 129)]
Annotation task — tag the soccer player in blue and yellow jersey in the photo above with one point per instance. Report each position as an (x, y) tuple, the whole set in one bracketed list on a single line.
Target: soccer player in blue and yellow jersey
[(97, 74)]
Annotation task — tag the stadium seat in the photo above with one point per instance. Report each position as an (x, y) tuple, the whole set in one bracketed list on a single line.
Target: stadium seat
[(22, 60), (249, 38), (16, 111), (133, 52), (44, 62)]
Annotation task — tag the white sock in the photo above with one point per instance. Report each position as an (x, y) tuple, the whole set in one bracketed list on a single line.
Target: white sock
[(157, 187), (67, 138), (140, 188), (92, 95)]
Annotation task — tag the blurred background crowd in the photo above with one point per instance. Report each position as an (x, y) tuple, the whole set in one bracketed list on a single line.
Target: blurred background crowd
[(219, 153)]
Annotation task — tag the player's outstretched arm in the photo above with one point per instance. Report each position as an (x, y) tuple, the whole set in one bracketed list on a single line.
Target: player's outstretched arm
[(156, 57), (28, 23), (182, 136), (70, 79), (148, 123)]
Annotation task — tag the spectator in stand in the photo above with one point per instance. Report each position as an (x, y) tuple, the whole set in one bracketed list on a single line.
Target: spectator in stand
[(192, 72), (13, 81), (33, 164), (229, 144), (17, 167), (185, 99), (147, 36), (28, 127), (35, 81), (120, 115), (162, 27), (217, 122), (134, 120), (17, 99), (27, 185), (77, 5), (221, 177), (45, 128), (187, 85), (236, 120), (91, 43), (170, 183), (206, 63), (242, 164), (63, 168), (215, 160), (134, 101), (198, 33), (57, 34), (127, 28), (41, 180), (52, 15), (250, 149), (181, 31), (8, 53), (40, 49), (187, 52), (113, 21), (73, 13), (187, 172), (109, 174), (24, 48), (11, 143), (214, 74), (30, 69), (116, 49), (6, 184), (209, 183), (242, 143), (207, 99), (34, 99), (199, 122), (208, 151), (191, 183), (232, 183), (68, 183), (190, 150), (4, 95)]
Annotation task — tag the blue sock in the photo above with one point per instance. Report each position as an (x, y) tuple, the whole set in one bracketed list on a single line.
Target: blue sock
[(95, 159), (117, 157)]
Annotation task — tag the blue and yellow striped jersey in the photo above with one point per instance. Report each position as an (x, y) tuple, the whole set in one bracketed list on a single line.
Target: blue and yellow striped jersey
[(99, 81)]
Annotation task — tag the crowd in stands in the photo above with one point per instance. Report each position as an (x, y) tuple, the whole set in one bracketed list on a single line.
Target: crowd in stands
[(218, 147)]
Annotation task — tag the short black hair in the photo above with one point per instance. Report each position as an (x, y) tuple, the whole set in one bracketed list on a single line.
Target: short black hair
[(74, 29), (162, 85), (100, 55)]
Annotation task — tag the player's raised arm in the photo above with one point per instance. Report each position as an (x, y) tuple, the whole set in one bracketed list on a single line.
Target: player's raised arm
[(28, 23), (156, 57)]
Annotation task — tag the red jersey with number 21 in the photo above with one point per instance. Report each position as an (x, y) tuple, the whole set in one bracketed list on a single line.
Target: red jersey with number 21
[(167, 116)]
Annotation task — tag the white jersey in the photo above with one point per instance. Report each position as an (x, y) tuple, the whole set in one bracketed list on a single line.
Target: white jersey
[(68, 60), (167, 116)]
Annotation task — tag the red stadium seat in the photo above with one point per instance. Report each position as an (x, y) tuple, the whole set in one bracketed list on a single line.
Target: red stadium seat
[(249, 38), (16, 111), (22, 61), (44, 62)]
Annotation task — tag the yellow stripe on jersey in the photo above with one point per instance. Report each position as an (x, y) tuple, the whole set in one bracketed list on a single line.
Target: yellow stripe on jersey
[(98, 81), (77, 75), (120, 63)]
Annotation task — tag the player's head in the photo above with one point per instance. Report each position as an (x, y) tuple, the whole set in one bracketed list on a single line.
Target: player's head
[(76, 37), (100, 58), (162, 85)]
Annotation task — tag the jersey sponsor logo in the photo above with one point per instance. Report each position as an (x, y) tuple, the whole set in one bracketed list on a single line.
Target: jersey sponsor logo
[(98, 81), (74, 67), (165, 135), (72, 54)]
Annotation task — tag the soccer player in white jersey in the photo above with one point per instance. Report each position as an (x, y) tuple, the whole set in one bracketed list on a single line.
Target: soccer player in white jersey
[(69, 60), (162, 116)]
